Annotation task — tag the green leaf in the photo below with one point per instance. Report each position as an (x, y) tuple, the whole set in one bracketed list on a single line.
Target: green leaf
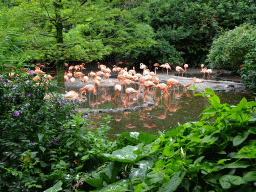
[(122, 185), (69, 143), (186, 184), (242, 104), (124, 155), (240, 138), (239, 164), (42, 148), (222, 161), (250, 176), (209, 139), (174, 182), (168, 151), (40, 136), (146, 138), (156, 176), (55, 188), (131, 154), (215, 101), (226, 181), (85, 157), (209, 91), (143, 167)]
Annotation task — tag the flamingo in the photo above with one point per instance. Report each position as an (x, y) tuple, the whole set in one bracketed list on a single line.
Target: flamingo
[(69, 74), (203, 71), (166, 66), (147, 84), (78, 74), (107, 75), (72, 95), (142, 79), (143, 66), (163, 87), (156, 65), (84, 79), (198, 80), (92, 74), (128, 92), (179, 69), (89, 88), (117, 88), (185, 69), (209, 71), (72, 80), (66, 78), (172, 82)]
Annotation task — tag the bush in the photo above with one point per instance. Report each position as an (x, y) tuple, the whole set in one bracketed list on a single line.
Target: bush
[(248, 72), (230, 49), (43, 141)]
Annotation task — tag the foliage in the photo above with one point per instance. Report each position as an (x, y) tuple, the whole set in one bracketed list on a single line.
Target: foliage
[(248, 72), (215, 154), (90, 29), (44, 142), (230, 49)]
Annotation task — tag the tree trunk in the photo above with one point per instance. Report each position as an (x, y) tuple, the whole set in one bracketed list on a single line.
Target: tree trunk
[(59, 37)]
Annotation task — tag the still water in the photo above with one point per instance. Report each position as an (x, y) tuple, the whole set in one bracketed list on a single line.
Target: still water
[(164, 115)]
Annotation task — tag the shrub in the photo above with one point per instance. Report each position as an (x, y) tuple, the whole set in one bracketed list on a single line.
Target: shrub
[(43, 141), (230, 49), (248, 72)]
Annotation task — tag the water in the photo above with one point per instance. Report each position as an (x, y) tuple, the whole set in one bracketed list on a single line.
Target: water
[(164, 115)]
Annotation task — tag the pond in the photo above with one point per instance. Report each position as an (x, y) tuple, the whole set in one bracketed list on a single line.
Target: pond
[(163, 115)]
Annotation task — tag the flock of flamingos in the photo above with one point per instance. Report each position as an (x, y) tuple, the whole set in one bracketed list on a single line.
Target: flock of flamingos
[(125, 78)]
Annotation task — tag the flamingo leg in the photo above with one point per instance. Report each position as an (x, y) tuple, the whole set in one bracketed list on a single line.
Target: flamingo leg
[(146, 90), (115, 96), (167, 71), (127, 97), (138, 91), (165, 90)]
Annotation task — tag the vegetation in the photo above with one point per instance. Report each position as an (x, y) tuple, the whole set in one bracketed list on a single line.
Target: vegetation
[(47, 144), (43, 140), (236, 49), (215, 154)]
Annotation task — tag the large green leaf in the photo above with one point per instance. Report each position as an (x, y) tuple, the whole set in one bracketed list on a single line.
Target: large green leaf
[(242, 104), (226, 181), (209, 91), (108, 174), (118, 186), (174, 182), (239, 164), (143, 167), (134, 138), (125, 154), (215, 101), (240, 138), (209, 139), (131, 154), (55, 188), (250, 176)]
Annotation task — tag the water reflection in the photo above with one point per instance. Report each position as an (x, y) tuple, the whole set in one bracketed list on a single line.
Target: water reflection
[(164, 115)]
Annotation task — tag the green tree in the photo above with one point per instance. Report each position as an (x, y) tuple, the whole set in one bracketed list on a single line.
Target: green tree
[(61, 30), (184, 30)]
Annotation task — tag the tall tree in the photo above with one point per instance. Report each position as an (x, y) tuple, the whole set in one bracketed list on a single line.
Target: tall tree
[(62, 30)]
